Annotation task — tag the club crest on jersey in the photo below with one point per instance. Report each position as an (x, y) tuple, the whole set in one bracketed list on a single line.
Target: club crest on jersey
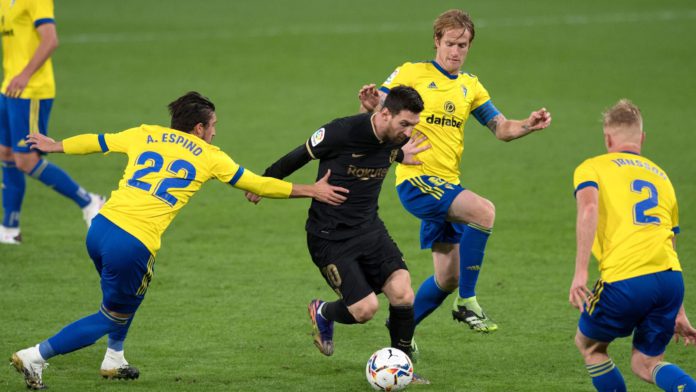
[(464, 91), (432, 85), (393, 155), (449, 107), (317, 137), (392, 76)]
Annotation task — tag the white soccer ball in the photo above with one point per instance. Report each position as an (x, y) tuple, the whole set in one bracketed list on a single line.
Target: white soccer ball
[(389, 369)]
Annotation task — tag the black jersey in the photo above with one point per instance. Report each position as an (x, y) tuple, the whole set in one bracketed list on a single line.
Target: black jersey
[(359, 161)]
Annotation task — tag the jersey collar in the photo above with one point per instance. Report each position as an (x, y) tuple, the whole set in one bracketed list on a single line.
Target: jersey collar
[(442, 70)]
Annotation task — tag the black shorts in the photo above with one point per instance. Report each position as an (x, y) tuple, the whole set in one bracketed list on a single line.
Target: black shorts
[(357, 266)]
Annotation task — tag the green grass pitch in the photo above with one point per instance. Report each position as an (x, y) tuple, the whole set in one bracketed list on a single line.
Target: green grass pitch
[(226, 310)]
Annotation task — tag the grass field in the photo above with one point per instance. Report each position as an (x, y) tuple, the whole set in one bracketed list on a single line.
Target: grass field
[(226, 310)]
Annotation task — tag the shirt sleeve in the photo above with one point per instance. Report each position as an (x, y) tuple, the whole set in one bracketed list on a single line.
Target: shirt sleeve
[(82, 144), (263, 186), (118, 142), (675, 219), (482, 107), (41, 11), (325, 142), (585, 175), (400, 77)]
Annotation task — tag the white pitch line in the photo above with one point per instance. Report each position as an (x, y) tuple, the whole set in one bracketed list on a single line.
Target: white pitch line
[(348, 29)]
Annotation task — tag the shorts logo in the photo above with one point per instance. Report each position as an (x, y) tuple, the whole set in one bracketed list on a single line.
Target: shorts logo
[(392, 76), (449, 107), (317, 137)]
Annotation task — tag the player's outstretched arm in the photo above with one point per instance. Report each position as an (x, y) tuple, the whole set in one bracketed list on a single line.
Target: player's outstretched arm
[(48, 42), (321, 191), (507, 130), (586, 226), (683, 329), (43, 143)]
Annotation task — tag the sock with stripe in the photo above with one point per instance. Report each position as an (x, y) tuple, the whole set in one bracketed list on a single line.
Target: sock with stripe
[(118, 337), (13, 187), (672, 378), (56, 178), (606, 377), (428, 297), (471, 249), (337, 311), (81, 333)]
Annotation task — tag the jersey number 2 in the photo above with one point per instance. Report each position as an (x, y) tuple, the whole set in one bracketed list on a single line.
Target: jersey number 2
[(639, 209), (153, 164)]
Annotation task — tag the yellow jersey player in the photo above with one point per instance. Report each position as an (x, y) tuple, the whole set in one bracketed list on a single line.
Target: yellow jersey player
[(28, 39), (628, 218), (166, 166), (455, 222)]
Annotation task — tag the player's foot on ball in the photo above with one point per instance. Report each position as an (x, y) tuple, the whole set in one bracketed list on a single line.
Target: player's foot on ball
[(419, 380), (29, 363), (115, 367), (322, 329), (92, 209), (467, 310), (10, 235)]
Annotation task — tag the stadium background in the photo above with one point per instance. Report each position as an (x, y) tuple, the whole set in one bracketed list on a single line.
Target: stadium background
[(226, 309)]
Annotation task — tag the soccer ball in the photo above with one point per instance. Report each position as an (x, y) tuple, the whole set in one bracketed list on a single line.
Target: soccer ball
[(389, 369)]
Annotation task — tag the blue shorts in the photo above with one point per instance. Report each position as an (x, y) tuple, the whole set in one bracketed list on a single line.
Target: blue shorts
[(125, 265), (19, 117), (429, 198), (646, 306)]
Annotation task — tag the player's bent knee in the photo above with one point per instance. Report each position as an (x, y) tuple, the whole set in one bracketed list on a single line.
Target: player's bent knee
[(6, 154), (643, 365), (446, 281), (26, 162), (364, 310)]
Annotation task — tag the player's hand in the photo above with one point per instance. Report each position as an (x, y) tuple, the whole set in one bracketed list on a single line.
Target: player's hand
[(539, 119), (369, 97), (413, 147), (579, 295), (17, 85), (252, 197), (327, 193), (684, 330), (43, 143)]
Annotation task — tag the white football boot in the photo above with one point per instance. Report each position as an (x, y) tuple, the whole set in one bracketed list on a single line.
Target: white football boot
[(30, 363)]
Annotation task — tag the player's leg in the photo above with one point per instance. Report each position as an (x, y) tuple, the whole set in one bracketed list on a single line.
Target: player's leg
[(31, 115), (654, 332), (429, 198), (605, 375), (434, 289), (13, 181), (356, 301), (398, 290), (474, 216)]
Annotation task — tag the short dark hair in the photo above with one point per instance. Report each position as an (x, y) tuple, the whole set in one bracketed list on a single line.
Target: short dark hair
[(190, 109), (403, 98)]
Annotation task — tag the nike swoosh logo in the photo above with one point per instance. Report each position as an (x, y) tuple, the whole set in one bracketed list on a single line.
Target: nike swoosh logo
[(354, 155)]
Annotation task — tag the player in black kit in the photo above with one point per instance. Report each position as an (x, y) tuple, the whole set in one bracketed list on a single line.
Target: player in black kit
[(349, 243)]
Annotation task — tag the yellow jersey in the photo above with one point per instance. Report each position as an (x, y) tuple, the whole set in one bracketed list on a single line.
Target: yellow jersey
[(18, 22), (638, 215), (448, 101), (165, 168)]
